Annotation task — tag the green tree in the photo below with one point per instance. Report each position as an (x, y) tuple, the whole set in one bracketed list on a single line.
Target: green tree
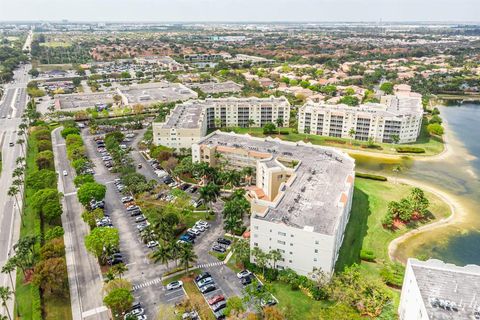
[(234, 306), (418, 202), (53, 233), (242, 250), (102, 241), (387, 87), (51, 276), (89, 191), (269, 128), (83, 178), (187, 256), (351, 134), (119, 301), (44, 160), (261, 258), (5, 295), (435, 129), (209, 193), (163, 254), (8, 268), (275, 255), (91, 217), (42, 179)]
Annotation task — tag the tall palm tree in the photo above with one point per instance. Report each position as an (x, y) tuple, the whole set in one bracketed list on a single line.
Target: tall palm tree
[(279, 123), (175, 248), (12, 192), (119, 269), (187, 256), (250, 123), (209, 193), (248, 174), (21, 142), (5, 295), (275, 255), (9, 267), (18, 183), (163, 254)]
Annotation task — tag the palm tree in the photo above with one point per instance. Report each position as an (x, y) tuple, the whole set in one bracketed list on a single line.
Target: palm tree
[(21, 142), (20, 161), (9, 267), (163, 254), (12, 192), (18, 183), (187, 256), (275, 255), (175, 248), (248, 173), (351, 134), (5, 294), (261, 258), (119, 269), (250, 123), (279, 123), (209, 193)]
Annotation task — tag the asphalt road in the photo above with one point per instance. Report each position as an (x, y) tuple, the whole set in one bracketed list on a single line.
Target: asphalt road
[(12, 105), (85, 279)]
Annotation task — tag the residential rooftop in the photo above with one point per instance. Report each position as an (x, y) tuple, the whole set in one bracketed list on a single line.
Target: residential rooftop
[(399, 105), (445, 287), (313, 198)]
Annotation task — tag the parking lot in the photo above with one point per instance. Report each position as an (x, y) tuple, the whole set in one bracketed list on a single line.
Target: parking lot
[(145, 275)]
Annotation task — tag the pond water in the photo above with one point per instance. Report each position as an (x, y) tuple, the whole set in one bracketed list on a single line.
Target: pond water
[(456, 173)]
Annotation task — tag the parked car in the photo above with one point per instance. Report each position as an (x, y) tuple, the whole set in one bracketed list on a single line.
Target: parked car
[(115, 261), (208, 288), (201, 276), (152, 244), (219, 315), (219, 306), (140, 219), (134, 213), (127, 199), (218, 248), (246, 280), (133, 207), (216, 299), (139, 166), (268, 303), (224, 241), (205, 282), (65, 173), (174, 285), (243, 274), (194, 231)]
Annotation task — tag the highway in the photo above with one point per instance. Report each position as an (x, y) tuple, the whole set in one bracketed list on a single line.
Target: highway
[(12, 106)]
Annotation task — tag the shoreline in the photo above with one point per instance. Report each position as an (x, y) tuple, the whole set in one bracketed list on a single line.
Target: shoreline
[(457, 214)]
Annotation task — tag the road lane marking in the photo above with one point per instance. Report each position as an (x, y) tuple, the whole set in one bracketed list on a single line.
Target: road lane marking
[(146, 284), (70, 194), (209, 265), (95, 311)]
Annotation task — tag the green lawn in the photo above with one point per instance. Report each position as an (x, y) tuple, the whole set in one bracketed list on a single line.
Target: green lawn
[(432, 145), (365, 230)]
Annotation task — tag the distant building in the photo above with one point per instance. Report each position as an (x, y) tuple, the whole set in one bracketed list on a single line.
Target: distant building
[(241, 58), (189, 121), (301, 200), (217, 87), (397, 115), (434, 290)]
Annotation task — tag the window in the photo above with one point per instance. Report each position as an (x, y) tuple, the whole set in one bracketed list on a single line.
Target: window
[(281, 242), (317, 242), (290, 261), (315, 259), (316, 250), (255, 244), (282, 234)]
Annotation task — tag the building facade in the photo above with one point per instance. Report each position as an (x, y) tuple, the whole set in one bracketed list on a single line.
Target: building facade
[(436, 290), (189, 121), (301, 198), (396, 119)]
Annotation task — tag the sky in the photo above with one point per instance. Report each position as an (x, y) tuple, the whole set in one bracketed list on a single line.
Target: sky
[(241, 10)]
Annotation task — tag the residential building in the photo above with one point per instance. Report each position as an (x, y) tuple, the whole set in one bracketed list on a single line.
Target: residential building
[(301, 200), (188, 122), (397, 116), (434, 290)]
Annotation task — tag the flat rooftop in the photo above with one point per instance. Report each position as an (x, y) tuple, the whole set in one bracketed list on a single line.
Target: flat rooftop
[(185, 116), (83, 100), (313, 200), (399, 105), (217, 87), (157, 92), (442, 283)]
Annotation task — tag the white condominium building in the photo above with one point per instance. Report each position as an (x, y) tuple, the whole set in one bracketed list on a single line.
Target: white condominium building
[(434, 290), (301, 200), (397, 116), (189, 121)]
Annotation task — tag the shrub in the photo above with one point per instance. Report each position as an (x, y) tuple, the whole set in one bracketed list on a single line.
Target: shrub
[(83, 178), (36, 303), (44, 145), (284, 133), (407, 149), (55, 232), (367, 255), (392, 274), (370, 176), (435, 128), (70, 130)]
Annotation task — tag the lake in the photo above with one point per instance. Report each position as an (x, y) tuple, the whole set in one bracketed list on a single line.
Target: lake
[(455, 173)]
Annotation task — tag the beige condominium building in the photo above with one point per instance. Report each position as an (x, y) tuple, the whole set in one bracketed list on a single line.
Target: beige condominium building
[(301, 198), (189, 121), (397, 118)]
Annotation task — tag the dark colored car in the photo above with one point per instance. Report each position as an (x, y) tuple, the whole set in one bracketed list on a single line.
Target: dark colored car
[(246, 281), (219, 249), (219, 306), (224, 241), (208, 288)]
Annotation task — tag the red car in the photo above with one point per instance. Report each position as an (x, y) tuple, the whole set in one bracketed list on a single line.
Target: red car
[(216, 299)]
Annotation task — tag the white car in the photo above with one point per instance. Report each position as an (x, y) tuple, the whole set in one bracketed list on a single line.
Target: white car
[(174, 285), (65, 173), (194, 231), (243, 274), (152, 244)]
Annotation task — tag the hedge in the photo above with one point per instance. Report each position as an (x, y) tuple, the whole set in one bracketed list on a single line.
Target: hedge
[(367, 255), (370, 176), (410, 150)]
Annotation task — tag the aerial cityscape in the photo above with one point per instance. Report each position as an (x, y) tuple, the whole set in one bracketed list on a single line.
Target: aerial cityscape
[(198, 160)]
